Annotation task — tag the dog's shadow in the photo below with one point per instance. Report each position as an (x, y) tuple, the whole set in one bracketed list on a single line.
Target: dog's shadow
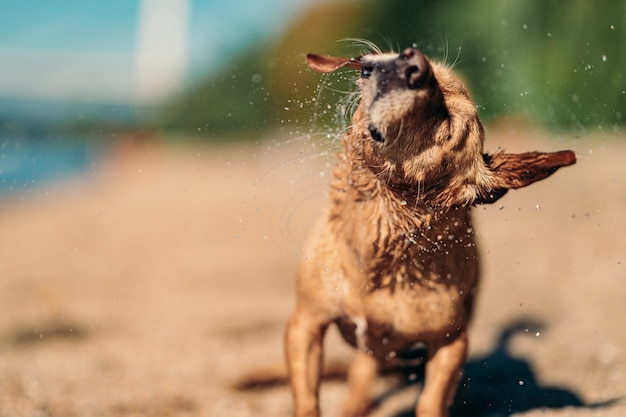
[(499, 385)]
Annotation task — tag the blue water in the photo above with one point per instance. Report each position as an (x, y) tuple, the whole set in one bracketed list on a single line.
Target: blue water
[(28, 164)]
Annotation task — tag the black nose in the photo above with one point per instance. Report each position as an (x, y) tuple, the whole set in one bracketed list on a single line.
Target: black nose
[(413, 66)]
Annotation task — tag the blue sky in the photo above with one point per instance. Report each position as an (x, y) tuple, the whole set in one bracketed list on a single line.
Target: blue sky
[(69, 24), (87, 49)]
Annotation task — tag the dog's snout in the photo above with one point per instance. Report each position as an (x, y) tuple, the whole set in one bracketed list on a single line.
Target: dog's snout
[(414, 66), (409, 69), (409, 53), (414, 76)]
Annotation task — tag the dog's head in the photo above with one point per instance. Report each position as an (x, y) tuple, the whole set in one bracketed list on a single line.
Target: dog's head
[(417, 125)]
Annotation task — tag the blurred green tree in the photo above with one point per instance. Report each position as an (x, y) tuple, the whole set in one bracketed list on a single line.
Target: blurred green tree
[(555, 63)]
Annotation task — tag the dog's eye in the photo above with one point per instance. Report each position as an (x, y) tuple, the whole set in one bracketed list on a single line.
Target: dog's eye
[(366, 71)]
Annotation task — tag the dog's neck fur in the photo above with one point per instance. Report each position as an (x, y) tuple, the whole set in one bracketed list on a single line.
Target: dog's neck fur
[(406, 221)]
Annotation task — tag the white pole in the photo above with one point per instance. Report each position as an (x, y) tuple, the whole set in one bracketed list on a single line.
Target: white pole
[(162, 43)]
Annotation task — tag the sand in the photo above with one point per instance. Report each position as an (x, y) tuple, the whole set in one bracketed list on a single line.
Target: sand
[(147, 286)]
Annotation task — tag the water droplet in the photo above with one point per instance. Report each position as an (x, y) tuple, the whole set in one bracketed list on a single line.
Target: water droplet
[(538, 334), (603, 58), (538, 207), (521, 382), (524, 26), (500, 207)]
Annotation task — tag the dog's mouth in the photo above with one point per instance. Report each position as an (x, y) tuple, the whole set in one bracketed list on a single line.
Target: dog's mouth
[(376, 134)]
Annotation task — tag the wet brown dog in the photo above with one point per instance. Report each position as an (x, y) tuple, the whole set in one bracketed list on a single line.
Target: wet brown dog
[(394, 263)]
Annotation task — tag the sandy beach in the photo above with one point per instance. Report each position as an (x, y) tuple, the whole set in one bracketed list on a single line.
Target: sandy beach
[(147, 286)]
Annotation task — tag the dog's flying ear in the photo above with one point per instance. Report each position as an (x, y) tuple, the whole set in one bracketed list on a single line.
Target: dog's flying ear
[(512, 171), (325, 63)]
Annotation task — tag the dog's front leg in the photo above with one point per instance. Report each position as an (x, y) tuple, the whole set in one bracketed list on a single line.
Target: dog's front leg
[(361, 376), (303, 341), (443, 371)]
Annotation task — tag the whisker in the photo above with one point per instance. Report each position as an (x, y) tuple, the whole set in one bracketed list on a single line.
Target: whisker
[(399, 134), (383, 169), (458, 55), (336, 90), (390, 46), (446, 49), (420, 190), (347, 107), (367, 46)]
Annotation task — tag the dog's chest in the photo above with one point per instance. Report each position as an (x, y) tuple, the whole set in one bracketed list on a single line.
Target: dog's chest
[(386, 322), (410, 275), (419, 290)]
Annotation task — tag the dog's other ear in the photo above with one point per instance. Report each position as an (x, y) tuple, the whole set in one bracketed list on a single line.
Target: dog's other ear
[(512, 171), (325, 63)]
